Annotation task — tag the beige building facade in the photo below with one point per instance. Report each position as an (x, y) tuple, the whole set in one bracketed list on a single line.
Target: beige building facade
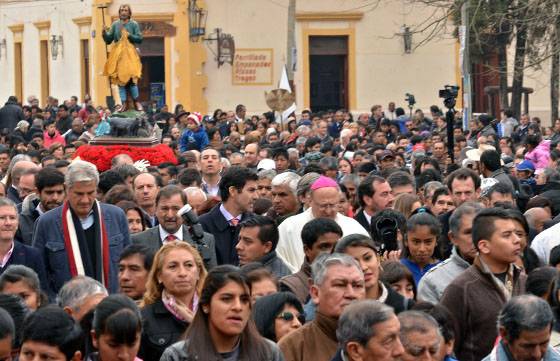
[(349, 53)]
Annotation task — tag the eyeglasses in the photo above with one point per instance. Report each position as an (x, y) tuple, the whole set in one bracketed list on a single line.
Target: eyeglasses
[(324, 207), (289, 316)]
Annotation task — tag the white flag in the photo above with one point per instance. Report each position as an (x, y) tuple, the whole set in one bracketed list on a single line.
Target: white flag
[(285, 84)]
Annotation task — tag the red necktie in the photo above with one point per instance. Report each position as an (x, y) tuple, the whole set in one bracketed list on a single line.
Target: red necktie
[(170, 238), (234, 222)]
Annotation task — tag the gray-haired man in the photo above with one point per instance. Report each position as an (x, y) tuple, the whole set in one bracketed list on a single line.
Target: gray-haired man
[(83, 236), (80, 295), (524, 325), (284, 196), (338, 280), (420, 335), (368, 330)]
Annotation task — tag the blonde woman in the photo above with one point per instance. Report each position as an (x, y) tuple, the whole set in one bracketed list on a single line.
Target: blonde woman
[(171, 298)]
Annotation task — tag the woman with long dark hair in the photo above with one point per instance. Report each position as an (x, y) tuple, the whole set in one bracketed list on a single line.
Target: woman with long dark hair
[(222, 327), (133, 213), (364, 251)]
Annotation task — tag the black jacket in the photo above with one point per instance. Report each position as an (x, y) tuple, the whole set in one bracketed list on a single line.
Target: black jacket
[(552, 193), (19, 134), (160, 330), (361, 218), (13, 194), (29, 257), (225, 235), (64, 124), (72, 137), (444, 246), (27, 218), (10, 114)]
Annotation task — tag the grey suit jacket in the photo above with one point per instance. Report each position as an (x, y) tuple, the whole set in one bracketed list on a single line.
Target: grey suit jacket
[(151, 238)]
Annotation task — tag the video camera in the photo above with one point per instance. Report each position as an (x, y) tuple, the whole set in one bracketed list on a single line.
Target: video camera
[(449, 95), (385, 230), (190, 220), (409, 98)]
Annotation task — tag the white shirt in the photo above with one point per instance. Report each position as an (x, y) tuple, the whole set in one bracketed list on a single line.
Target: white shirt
[(545, 241), (7, 256), (39, 209), (88, 221), (290, 246), (163, 234), (367, 216), (228, 216), (209, 189)]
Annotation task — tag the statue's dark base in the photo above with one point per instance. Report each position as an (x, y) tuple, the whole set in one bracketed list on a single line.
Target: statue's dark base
[(146, 142)]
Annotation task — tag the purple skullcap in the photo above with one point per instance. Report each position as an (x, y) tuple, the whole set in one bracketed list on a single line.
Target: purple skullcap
[(323, 182)]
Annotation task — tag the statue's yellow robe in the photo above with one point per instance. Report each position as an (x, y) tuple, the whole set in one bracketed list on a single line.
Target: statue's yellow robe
[(123, 63)]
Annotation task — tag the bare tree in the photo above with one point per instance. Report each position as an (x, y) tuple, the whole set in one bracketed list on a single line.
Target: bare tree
[(534, 24)]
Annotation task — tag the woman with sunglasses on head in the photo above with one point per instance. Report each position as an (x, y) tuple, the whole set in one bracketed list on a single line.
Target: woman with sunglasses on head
[(278, 315), (363, 250), (222, 328)]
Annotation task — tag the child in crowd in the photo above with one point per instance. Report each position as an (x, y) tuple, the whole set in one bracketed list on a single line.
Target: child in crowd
[(117, 328), (399, 278), (423, 230)]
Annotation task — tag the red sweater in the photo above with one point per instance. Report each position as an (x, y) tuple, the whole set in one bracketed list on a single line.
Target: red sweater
[(56, 138)]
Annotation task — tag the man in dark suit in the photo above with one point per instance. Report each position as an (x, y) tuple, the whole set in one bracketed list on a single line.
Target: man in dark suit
[(83, 237), (17, 171), (374, 195), (146, 187), (13, 252), (238, 190), (169, 201), (50, 194)]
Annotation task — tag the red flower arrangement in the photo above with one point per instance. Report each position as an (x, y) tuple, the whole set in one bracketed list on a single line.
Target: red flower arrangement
[(101, 156)]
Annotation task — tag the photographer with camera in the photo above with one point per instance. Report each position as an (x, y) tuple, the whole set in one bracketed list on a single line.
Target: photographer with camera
[(173, 226)]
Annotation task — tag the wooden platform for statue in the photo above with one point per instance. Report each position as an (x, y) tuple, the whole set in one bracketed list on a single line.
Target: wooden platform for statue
[(145, 142)]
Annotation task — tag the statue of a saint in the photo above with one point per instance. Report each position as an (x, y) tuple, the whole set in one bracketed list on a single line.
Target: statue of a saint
[(123, 63)]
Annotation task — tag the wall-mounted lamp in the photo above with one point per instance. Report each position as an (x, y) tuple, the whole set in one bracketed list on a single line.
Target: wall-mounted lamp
[(407, 38), (225, 47), (3, 50), (197, 21), (56, 43)]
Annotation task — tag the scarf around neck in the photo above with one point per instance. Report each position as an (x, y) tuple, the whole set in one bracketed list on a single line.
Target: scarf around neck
[(73, 237), (170, 304)]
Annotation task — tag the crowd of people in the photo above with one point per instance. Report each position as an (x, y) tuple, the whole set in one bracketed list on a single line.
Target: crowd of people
[(330, 237)]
